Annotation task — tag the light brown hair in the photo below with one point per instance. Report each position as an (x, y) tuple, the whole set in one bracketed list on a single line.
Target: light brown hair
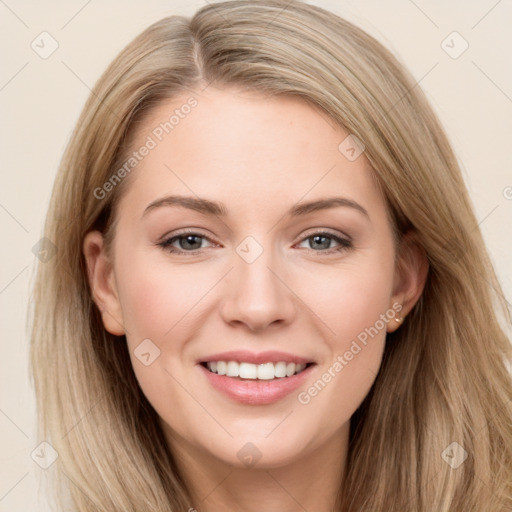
[(443, 378)]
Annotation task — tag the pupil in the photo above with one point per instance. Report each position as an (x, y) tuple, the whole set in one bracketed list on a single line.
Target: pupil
[(188, 239), (326, 243)]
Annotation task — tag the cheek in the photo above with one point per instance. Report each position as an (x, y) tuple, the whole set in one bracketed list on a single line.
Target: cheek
[(155, 297), (355, 306), (160, 304), (165, 304), (365, 298), (350, 298)]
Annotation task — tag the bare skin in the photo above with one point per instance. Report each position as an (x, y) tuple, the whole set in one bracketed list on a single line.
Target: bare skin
[(260, 157)]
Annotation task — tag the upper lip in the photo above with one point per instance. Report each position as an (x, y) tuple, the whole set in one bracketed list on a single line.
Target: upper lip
[(245, 356)]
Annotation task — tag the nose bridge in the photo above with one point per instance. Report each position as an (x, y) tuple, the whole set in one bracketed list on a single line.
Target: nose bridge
[(257, 296)]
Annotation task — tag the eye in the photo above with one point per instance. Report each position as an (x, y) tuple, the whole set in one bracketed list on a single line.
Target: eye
[(191, 242), (323, 241), (188, 242)]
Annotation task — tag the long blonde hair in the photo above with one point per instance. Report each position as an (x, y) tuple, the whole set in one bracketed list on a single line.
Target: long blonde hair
[(444, 375)]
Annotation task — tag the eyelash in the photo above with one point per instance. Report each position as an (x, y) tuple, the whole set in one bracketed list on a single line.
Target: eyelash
[(344, 243)]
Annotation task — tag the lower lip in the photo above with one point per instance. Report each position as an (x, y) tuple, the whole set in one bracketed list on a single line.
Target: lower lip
[(256, 392)]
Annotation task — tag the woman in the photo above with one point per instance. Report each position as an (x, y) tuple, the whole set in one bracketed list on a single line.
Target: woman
[(268, 291)]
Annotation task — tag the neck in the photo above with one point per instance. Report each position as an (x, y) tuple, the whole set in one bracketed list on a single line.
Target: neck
[(309, 481)]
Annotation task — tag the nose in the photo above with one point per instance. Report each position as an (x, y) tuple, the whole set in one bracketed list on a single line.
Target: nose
[(257, 295)]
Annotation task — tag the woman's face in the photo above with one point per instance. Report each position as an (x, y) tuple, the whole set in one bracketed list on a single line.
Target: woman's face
[(252, 232)]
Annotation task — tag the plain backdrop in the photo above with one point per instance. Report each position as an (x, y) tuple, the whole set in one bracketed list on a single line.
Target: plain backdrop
[(41, 98)]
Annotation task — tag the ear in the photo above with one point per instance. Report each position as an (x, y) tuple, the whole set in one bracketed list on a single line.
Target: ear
[(410, 276), (102, 282)]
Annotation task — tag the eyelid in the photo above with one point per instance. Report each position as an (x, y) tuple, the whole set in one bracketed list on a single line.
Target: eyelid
[(187, 231), (324, 231)]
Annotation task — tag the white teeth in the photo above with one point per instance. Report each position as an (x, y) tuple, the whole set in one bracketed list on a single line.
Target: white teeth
[(280, 369), (232, 369), (247, 371), (221, 367), (265, 371)]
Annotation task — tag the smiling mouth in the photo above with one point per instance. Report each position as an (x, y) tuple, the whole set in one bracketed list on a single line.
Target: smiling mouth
[(250, 371)]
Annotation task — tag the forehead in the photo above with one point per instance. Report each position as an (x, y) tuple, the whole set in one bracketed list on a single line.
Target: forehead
[(245, 147)]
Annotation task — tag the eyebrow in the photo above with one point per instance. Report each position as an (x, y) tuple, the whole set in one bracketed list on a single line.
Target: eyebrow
[(208, 207)]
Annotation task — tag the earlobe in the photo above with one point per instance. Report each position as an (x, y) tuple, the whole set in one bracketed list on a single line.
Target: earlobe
[(410, 277), (102, 283)]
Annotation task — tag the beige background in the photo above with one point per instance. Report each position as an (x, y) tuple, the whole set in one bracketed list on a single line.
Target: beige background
[(40, 100)]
